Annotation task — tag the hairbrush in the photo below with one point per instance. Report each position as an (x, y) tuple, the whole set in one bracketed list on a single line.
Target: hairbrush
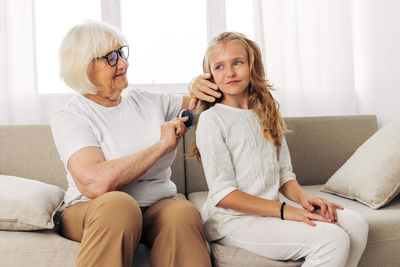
[(186, 113)]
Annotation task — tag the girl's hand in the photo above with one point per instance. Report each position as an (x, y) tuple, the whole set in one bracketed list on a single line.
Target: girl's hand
[(172, 132), (301, 215), (310, 203), (203, 89)]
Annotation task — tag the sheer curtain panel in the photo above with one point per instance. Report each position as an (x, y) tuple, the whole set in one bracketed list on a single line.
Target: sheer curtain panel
[(308, 50), (18, 94)]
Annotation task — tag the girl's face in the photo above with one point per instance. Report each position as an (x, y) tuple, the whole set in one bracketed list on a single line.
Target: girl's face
[(230, 68)]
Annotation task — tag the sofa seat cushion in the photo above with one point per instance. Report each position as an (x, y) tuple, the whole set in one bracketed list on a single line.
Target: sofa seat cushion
[(383, 238), (38, 248), (227, 256), (47, 248)]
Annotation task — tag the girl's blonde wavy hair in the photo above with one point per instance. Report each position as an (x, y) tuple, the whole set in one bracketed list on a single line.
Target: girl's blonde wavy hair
[(260, 99)]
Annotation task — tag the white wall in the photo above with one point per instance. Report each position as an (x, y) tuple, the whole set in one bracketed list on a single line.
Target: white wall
[(377, 58)]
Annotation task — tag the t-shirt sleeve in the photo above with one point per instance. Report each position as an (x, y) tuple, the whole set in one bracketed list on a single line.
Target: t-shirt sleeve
[(71, 133), (215, 158), (170, 104), (285, 164)]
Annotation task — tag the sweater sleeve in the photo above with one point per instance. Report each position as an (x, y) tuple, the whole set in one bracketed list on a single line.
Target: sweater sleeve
[(215, 158), (285, 164)]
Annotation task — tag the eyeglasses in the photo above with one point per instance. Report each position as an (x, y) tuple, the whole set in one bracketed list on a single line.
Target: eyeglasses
[(113, 56)]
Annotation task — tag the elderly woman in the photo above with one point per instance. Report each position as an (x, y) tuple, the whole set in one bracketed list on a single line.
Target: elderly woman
[(117, 148)]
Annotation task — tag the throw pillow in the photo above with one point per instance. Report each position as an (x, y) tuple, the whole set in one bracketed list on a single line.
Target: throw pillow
[(372, 174), (28, 204)]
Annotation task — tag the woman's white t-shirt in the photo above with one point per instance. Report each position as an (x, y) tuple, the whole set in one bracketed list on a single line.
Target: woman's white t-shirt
[(119, 131)]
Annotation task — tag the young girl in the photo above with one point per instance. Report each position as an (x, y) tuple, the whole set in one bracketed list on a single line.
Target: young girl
[(246, 161)]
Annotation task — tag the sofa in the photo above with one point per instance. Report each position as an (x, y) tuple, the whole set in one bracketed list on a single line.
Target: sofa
[(318, 146)]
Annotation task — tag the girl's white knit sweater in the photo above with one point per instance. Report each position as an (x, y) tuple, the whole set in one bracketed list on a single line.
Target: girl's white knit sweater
[(236, 156)]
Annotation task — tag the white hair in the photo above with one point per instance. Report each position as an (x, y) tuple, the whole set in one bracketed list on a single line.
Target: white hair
[(80, 46)]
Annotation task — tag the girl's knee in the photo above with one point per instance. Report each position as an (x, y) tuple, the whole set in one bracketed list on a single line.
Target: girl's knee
[(333, 246), (338, 241), (354, 223), (342, 241), (333, 239)]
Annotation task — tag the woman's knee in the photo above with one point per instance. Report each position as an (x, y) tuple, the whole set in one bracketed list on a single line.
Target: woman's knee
[(117, 209), (181, 213)]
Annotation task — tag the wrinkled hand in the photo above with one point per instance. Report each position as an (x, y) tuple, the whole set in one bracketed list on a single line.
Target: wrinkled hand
[(310, 203), (203, 89), (172, 132), (301, 215)]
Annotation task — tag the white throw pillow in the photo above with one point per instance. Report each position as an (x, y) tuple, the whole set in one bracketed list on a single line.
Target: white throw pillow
[(27, 204), (372, 174)]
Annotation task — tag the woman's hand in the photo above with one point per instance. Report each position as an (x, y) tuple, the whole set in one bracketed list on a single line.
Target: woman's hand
[(310, 203), (172, 132), (301, 215), (203, 89)]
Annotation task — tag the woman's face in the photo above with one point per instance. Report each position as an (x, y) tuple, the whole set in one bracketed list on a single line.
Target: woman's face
[(110, 80), (230, 68)]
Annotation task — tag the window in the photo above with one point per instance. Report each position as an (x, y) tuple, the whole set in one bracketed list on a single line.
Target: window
[(239, 17), (53, 20), (167, 39)]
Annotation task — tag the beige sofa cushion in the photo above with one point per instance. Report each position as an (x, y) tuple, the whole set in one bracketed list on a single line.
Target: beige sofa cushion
[(27, 204), (372, 174), (42, 248), (225, 256), (45, 248)]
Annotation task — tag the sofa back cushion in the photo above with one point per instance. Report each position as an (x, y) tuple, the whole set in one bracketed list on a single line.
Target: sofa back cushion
[(318, 147), (29, 151), (321, 145)]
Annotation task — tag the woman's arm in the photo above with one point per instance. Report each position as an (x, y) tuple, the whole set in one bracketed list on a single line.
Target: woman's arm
[(200, 88), (95, 176), (185, 102)]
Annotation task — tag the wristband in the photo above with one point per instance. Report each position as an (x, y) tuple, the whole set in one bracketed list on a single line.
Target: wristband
[(283, 204)]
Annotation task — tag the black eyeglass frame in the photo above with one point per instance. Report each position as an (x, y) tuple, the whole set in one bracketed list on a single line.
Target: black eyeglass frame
[(118, 51)]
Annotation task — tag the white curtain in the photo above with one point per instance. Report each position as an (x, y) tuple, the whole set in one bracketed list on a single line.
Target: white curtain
[(307, 47), (308, 50), (18, 94)]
